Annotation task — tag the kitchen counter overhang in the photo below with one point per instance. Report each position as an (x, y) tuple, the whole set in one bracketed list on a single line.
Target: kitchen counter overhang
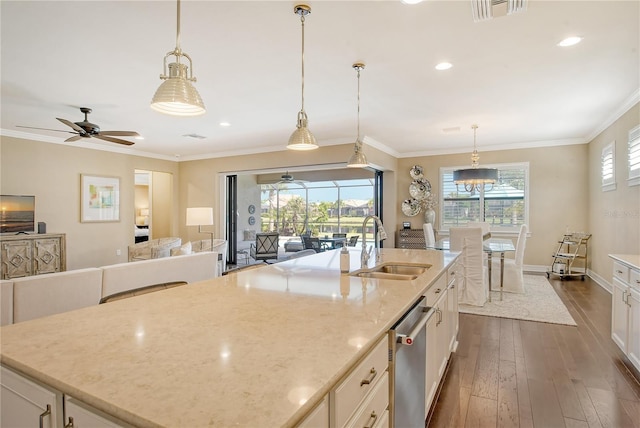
[(256, 348)]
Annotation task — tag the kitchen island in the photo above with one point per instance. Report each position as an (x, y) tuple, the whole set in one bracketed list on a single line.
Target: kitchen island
[(257, 348)]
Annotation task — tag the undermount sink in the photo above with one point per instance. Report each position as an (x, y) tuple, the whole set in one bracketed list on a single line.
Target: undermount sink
[(383, 275), (393, 271)]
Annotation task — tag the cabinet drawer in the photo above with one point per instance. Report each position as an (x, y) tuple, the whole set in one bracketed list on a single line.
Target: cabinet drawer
[(435, 291), (634, 279), (350, 393), (452, 272), (372, 411), (621, 272)]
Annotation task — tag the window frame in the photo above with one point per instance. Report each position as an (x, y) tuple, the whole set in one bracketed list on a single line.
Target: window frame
[(608, 153), (495, 229), (633, 157)]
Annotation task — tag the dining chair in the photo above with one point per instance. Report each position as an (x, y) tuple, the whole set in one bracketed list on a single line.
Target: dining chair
[(486, 227), (474, 288), (429, 235), (513, 273), (265, 247), (311, 243), (353, 240)]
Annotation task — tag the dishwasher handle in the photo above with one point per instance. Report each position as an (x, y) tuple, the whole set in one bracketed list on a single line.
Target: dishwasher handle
[(408, 339)]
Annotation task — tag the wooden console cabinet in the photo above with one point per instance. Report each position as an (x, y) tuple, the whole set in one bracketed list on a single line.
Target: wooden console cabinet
[(26, 255)]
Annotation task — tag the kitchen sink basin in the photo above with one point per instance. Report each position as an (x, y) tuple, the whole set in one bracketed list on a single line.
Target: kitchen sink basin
[(393, 271), (401, 269), (384, 275)]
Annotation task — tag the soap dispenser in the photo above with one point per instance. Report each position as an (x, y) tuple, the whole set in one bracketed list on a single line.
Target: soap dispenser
[(345, 263)]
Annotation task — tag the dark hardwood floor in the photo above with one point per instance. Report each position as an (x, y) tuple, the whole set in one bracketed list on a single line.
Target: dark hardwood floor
[(511, 373)]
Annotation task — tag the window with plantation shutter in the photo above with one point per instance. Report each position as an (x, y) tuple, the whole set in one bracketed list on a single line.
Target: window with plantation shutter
[(634, 156), (608, 162)]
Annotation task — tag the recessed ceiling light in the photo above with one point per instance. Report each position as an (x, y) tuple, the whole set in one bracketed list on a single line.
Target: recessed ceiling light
[(139, 137), (410, 1), (570, 41), (444, 66), (225, 124)]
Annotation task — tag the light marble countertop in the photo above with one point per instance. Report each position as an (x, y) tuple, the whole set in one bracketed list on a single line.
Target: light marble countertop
[(631, 260), (256, 348)]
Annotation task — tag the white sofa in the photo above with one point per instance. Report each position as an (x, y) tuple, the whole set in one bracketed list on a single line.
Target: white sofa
[(153, 249), (128, 276), (23, 299)]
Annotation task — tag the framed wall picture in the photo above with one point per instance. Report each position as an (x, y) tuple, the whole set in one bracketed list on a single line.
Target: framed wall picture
[(99, 198)]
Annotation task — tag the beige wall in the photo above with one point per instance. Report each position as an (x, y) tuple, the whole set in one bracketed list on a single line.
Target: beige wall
[(565, 191), (614, 216), (51, 172), (557, 194)]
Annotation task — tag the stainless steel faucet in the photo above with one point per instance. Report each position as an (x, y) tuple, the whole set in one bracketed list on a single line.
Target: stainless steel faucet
[(381, 235)]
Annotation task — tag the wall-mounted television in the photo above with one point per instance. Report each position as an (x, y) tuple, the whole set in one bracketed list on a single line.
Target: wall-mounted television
[(17, 213)]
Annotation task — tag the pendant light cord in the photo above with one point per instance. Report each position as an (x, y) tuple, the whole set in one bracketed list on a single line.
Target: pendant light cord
[(302, 22), (358, 136)]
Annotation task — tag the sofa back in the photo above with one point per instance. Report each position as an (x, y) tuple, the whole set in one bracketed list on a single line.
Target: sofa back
[(6, 302), (189, 268), (41, 295)]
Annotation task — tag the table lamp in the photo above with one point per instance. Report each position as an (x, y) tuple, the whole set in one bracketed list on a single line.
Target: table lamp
[(201, 216)]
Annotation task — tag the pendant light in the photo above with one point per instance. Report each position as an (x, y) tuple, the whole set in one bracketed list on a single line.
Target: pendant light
[(475, 178), (358, 159), (176, 96), (302, 138)]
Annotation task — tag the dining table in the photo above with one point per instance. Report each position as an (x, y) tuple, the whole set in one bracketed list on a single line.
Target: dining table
[(490, 246), (331, 243)]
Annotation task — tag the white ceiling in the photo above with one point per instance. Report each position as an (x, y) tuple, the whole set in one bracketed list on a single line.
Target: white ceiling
[(508, 75)]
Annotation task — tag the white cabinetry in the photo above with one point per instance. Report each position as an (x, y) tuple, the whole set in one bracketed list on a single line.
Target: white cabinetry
[(319, 417), (363, 397), (625, 309), (442, 331), (24, 403)]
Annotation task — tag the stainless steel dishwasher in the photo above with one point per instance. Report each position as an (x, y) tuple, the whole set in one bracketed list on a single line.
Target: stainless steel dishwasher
[(407, 366)]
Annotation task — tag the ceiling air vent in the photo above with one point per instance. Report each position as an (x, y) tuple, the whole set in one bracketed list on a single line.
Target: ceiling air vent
[(487, 9)]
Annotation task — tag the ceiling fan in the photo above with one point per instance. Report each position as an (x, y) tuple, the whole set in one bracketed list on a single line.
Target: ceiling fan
[(86, 129), (288, 178)]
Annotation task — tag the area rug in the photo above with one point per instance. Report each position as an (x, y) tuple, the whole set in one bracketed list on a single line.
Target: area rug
[(539, 302)]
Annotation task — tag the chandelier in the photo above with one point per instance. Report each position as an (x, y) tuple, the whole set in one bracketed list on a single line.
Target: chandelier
[(475, 178)]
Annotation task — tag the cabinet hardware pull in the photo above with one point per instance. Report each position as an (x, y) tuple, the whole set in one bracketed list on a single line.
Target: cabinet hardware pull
[(43, 414), (373, 416), (70, 424), (618, 271), (372, 373), (438, 291)]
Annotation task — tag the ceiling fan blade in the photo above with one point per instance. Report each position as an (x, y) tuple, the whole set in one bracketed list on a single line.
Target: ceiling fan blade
[(44, 129), (119, 133), (114, 140), (72, 125), (72, 139)]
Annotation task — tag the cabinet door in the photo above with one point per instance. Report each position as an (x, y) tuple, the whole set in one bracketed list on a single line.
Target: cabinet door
[(80, 415), (319, 417), (437, 347), (452, 310), (633, 344), (46, 255), (25, 403), (16, 259), (619, 314)]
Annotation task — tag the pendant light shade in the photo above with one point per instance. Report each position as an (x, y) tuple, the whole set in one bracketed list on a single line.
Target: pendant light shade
[(475, 178), (302, 138), (177, 96), (358, 159)]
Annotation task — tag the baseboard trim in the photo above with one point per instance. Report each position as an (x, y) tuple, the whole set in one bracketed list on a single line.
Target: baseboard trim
[(538, 269)]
